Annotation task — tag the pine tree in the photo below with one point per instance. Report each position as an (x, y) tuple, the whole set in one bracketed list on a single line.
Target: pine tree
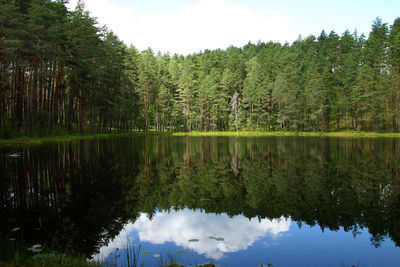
[(373, 74), (394, 75)]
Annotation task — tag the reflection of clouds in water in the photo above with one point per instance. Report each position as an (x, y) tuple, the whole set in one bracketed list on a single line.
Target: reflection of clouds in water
[(180, 226), (119, 242)]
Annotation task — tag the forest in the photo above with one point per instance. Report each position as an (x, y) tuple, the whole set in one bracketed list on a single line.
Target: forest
[(61, 72)]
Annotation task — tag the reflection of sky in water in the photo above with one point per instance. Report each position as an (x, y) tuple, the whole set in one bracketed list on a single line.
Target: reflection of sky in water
[(238, 232), (249, 242)]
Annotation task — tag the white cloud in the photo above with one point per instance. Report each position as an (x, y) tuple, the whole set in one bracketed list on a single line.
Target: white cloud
[(206, 24), (117, 18), (119, 242), (179, 227)]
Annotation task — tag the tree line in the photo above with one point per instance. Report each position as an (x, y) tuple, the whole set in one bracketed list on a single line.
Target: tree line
[(61, 71)]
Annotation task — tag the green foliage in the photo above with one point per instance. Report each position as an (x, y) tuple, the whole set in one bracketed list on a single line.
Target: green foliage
[(14, 254), (316, 84), (61, 70)]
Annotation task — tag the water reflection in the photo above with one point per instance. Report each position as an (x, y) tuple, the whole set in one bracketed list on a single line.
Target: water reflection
[(237, 232), (78, 196)]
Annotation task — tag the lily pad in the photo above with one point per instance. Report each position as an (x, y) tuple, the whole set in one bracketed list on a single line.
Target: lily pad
[(145, 253), (37, 246), (156, 255), (14, 155), (216, 238), (193, 240), (12, 239), (184, 251), (15, 229)]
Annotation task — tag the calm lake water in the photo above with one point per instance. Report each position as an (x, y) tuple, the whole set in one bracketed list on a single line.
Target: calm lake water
[(288, 201)]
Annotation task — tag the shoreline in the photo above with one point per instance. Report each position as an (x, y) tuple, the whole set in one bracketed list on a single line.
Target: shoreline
[(72, 137), (68, 138), (348, 134)]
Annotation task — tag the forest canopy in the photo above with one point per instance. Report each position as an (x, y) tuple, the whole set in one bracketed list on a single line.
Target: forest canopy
[(62, 72)]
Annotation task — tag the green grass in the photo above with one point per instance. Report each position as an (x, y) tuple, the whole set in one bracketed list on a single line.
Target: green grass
[(266, 134), (68, 138), (49, 260), (14, 253)]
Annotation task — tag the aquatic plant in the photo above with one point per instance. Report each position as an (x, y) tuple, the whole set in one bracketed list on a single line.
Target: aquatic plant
[(132, 252)]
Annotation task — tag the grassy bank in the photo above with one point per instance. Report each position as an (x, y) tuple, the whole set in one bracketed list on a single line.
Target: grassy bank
[(266, 134), (67, 138)]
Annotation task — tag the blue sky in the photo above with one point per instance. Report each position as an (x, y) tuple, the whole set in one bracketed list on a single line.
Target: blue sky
[(188, 26)]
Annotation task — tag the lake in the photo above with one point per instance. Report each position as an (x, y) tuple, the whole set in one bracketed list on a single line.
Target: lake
[(287, 201)]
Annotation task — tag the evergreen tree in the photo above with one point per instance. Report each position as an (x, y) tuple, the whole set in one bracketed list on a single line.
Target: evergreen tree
[(392, 98), (373, 76), (60, 71)]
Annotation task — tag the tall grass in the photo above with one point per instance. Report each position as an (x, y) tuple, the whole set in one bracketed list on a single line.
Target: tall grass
[(132, 252)]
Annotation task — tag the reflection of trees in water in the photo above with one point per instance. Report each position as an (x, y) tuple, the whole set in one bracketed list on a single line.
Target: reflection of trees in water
[(235, 164), (333, 183), (82, 193), (70, 196)]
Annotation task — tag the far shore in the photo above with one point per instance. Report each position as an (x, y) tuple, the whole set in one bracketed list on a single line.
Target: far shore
[(72, 137)]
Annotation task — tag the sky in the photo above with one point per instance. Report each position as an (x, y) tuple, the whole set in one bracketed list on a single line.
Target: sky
[(191, 26)]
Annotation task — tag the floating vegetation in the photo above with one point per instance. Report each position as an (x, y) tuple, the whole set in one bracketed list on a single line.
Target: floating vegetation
[(216, 238), (15, 229), (35, 250), (146, 252), (193, 240), (184, 251), (156, 255), (14, 155), (12, 239)]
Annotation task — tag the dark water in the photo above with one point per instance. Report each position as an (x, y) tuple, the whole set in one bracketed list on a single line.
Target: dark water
[(232, 201)]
